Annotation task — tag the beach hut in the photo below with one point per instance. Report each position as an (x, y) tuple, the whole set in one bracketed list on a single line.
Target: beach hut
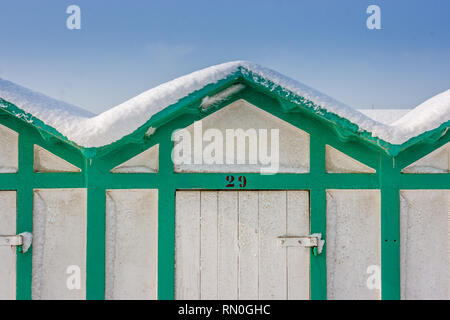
[(232, 182)]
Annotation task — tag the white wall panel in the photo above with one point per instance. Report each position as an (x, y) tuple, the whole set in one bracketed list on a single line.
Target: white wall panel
[(7, 254), (424, 246), (339, 162), (437, 161), (59, 241), (144, 162), (45, 161), (353, 242), (131, 244), (9, 150)]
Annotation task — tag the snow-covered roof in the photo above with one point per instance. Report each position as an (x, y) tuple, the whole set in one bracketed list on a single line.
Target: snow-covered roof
[(87, 130), (386, 116)]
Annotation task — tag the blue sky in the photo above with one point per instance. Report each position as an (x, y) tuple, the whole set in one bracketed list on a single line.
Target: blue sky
[(126, 47)]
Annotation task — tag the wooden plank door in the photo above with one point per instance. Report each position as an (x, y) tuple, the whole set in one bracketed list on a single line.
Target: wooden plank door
[(227, 248)]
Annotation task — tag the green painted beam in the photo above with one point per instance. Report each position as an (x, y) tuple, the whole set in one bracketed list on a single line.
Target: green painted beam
[(24, 215), (96, 228), (424, 181), (390, 230), (166, 243), (318, 263), (166, 224), (9, 181), (318, 217)]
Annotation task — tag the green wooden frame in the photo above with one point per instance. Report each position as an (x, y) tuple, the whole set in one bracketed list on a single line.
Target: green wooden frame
[(323, 128)]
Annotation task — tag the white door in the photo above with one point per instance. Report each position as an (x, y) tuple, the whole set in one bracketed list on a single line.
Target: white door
[(227, 245), (7, 253)]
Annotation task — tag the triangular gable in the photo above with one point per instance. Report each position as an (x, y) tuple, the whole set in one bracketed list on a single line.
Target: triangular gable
[(339, 162), (437, 161), (257, 127), (144, 162), (9, 140), (45, 161)]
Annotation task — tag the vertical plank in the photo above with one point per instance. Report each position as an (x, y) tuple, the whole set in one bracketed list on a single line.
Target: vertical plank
[(7, 254), (131, 243), (187, 245), (298, 258), (272, 263), (208, 251), (228, 245), (248, 245)]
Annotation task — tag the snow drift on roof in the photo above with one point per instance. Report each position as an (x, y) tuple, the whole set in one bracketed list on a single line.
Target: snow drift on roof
[(427, 115), (385, 116), (94, 131), (38, 104)]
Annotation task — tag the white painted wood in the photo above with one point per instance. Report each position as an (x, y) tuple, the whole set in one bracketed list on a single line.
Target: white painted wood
[(144, 162), (209, 245), (298, 258), (293, 142), (272, 263), (7, 254), (187, 245), (353, 242), (248, 245), (227, 245), (424, 249), (9, 150), (131, 244), (339, 162), (437, 161), (45, 161), (59, 241), (228, 257)]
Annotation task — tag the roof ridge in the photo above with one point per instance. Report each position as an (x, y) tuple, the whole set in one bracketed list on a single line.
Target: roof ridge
[(125, 118)]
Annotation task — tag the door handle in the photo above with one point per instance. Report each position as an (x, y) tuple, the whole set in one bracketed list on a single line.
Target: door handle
[(22, 241), (313, 241)]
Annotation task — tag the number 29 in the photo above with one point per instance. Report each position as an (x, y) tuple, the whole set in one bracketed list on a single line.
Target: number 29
[(241, 179)]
